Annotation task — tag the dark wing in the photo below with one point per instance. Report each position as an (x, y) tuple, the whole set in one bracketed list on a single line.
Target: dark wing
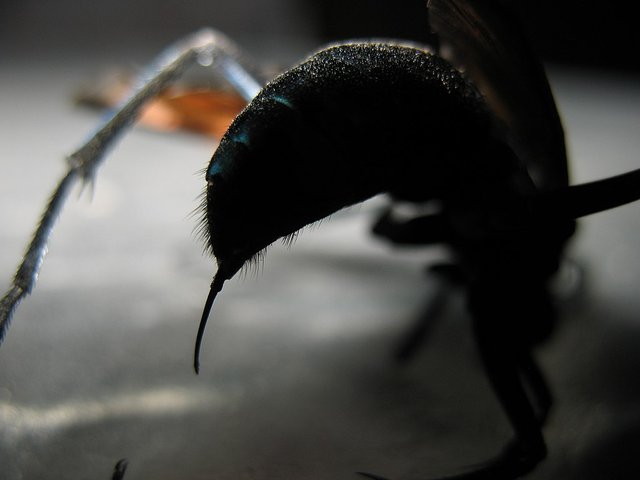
[(486, 40)]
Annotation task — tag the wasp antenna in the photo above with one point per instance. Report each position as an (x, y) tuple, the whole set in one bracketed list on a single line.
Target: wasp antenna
[(585, 199), (216, 287)]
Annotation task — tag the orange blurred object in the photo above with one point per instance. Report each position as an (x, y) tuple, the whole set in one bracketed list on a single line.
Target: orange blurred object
[(206, 111)]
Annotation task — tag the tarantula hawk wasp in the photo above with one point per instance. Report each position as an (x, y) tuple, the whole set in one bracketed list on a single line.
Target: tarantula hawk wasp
[(487, 144)]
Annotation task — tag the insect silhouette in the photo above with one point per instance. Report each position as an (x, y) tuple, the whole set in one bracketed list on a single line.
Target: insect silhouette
[(486, 144)]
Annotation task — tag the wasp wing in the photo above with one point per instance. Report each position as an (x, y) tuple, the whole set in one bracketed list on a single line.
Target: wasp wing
[(486, 41)]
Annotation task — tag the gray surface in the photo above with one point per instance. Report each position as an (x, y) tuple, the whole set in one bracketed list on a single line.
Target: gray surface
[(296, 380)]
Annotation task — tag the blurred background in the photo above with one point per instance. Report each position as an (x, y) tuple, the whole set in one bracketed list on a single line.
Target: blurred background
[(297, 379), (573, 32)]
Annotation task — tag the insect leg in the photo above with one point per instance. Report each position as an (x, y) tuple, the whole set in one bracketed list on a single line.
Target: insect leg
[(505, 369), (537, 384), (423, 325), (446, 277), (207, 47), (420, 230), (120, 469), (506, 364)]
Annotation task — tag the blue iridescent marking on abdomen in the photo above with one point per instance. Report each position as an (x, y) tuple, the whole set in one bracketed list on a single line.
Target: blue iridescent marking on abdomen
[(221, 164), (282, 100), (241, 137), (214, 169)]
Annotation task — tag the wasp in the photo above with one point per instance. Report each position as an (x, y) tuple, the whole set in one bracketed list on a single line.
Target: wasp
[(470, 126)]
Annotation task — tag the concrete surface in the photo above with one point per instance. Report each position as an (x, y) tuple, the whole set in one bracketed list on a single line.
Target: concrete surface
[(297, 379)]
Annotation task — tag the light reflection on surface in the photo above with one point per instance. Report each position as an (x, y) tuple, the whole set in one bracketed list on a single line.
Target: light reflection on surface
[(19, 421)]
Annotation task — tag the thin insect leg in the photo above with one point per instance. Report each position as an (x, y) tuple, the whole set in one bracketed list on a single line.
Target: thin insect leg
[(447, 276), (505, 371), (506, 365), (207, 47), (420, 230), (528, 448), (538, 386), (27, 273), (502, 364), (120, 469), (238, 76), (424, 324)]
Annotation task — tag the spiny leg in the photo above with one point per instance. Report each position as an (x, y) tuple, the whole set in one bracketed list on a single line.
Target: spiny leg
[(421, 230), (207, 47), (505, 370), (446, 277), (120, 469), (508, 364), (418, 230), (522, 454), (423, 325), (538, 387)]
